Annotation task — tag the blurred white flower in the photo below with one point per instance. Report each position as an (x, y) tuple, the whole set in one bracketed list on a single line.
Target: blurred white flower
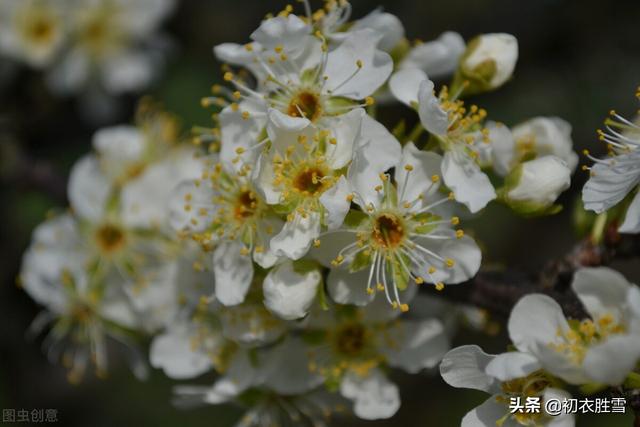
[(437, 58), (33, 31)]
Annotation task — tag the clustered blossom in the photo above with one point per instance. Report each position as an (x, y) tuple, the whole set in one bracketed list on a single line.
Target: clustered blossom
[(94, 48), (284, 249)]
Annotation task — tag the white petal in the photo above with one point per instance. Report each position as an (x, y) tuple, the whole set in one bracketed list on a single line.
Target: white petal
[(502, 148), (382, 23), (512, 365), (296, 237), (405, 85), (487, 415), (608, 185), (501, 49), (145, 199), (563, 419), (423, 344), (464, 367), (238, 132), (88, 189), (612, 360), (464, 252), (263, 178), (251, 324), (119, 144), (541, 311), (128, 72), (601, 290), (374, 396), (346, 130), (287, 368), (425, 165), (341, 65), (289, 294), (233, 272), (172, 352), (183, 215), (631, 222), (349, 288), (283, 130), (286, 31), (438, 57), (432, 116), (377, 151), (240, 376), (336, 204), (469, 184)]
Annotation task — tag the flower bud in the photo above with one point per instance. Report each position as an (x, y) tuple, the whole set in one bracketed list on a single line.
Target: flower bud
[(487, 63), (541, 136), (533, 186)]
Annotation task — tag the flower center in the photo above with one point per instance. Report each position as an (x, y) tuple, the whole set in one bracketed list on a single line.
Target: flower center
[(351, 339), (110, 238), (41, 30), (388, 231), (584, 334), (305, 104), (245, 205), (309, 180)]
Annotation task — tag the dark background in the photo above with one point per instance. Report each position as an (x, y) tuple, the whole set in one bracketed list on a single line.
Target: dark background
[(578, 60)]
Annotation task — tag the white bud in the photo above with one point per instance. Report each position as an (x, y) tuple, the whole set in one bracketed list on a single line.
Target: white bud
[(546, 136), (489, 61), (533, 187)]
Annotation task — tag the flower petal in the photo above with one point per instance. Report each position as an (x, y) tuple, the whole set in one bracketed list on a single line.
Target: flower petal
[(464, 367), (612, 360), (432, 116), (541, 311), (233, 272), (288, 293), (342, 64), (423, 344), (601, 290), (437, 58), (349, 288), (487, 415), (296, 236), (424, 166), (512, 365), (405, 85), (374, 396), (88, 189), (336, 204), (469, 184), (172, 352), (631, 222)]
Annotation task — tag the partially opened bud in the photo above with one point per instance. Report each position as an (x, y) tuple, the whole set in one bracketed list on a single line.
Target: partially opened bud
[(488, 62), (533, 186)]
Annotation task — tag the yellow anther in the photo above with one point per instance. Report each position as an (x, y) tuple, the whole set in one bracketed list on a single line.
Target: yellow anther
[(240, 150), (585, 152), (394, 305), (435, 178), (459, 234), (408, 168), (316, 243), (369, 101), (419, 280), (370, 291), (378, 188), (278, 49), (333, 141), (431, 270), (244, 251), (228, 76), (455, 220), (349, 197), (237, 94), (234, 107), (359, 63), (245, 115), (383, 177), (380, 287), (404, 308), (449, 262), (451, 196), (439, 286)]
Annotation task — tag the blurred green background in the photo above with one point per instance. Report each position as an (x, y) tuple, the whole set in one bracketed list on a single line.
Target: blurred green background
[(578, 59)]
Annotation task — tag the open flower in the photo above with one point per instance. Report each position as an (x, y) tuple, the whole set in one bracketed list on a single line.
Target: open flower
[(459, 131), (85, 308), (350, 350), (32, 31), (612, 179), (505, 376), (315, 87), (403, 232), (111, 47), (603, 349)]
